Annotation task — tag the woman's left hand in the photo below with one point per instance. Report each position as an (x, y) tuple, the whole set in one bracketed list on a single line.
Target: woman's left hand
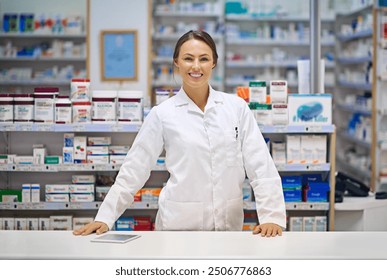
[(268, 230)]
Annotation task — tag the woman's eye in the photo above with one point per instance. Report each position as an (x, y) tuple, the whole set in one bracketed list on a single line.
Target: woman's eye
[(188, 59), (204, 59)]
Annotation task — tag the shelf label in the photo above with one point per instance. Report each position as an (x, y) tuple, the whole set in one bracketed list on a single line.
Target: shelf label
[(25, 127), (7, 127), (44, 127), (314, 128), (79, 127)]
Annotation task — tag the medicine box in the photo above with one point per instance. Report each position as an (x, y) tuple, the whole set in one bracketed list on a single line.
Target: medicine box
[(39, 155), (311, 109), (8, 223), (295, 224), (150, 194), (97, 150), (278, 152), (80, 148), (26, 193), (280, 114), (279, 91), (81, 188), (308, 223), (83, 179), (68, 140), (68, 155), (57, 188), (61, 222), (44, 223), (57, 198), (32, 224), (320, 223), (293, 149), (99, 141), (257, 91), (81, 197), (35, 193), (292, 188), (20, 224), (320, 148), (97, 159), (124, 223), (118, 150), (318, 192), (116, 159), (307, 149)]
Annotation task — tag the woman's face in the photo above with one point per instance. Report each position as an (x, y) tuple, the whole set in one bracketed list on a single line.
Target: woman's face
[(195, 63)]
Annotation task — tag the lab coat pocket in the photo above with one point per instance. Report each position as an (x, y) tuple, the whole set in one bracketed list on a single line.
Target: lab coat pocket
[(183, 215), (234, 214), (233, 148)]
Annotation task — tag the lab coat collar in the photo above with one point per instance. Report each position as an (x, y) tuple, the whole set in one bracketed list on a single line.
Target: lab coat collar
[(213, 99)]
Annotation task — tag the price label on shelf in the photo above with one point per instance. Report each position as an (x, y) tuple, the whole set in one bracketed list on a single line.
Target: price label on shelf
[(25, 127), (24, 168), (44, 127), (7, 127), (79, 127), (314, 128)]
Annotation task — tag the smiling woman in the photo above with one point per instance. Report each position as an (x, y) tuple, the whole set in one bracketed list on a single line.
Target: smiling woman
[(211, 141)]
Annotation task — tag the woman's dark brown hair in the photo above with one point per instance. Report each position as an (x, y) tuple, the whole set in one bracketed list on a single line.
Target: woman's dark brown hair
[(197, 35)]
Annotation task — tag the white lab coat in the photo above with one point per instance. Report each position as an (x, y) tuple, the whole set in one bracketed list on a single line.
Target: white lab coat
[(207, 154)]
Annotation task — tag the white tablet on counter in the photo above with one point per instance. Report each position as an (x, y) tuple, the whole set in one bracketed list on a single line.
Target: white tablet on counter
[(115, 238)]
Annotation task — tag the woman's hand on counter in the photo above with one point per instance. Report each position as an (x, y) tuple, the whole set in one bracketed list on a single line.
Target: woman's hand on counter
[(97, 227), (268, 230)]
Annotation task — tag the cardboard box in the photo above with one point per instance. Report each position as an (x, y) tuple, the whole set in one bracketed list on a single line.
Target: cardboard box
[(310, 109), (44, 224)]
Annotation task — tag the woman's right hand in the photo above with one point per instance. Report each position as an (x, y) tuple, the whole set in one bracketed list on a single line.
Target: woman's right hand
[(97, 227)]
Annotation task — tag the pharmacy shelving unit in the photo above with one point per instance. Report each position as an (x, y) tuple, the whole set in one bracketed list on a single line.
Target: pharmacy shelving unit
[(327, 170), (58, 70), (379, 104), (18, 138), (170, 21), (353, 94), (13, 173), (249, 57)]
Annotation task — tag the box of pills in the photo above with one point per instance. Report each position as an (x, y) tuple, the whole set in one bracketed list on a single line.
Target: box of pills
[(278, 152), (8, 223), (44, 223), (83, 179), (61, 222), (35, 193), (310, 109), (116, 159), (279, 91), (32, 224), (26, 193), (57, 197), (57, 188), (99, 141), (81, 188), (68, 140), (308, 223), (320, 223), (68, 155), (295, 224), (20, 224), (94, 159), (80, 148), (81, 197), (39, 154), (293, 149), (98, 150)]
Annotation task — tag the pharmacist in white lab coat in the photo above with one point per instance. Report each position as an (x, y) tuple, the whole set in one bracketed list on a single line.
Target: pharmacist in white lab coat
[(211, 139)]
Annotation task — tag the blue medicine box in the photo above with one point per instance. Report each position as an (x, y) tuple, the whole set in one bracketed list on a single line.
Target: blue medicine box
[(292, 188), (125, 224), (318, 192)]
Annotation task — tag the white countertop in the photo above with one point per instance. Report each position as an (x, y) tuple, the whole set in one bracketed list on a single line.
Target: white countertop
[(195, 245), (360, 203)]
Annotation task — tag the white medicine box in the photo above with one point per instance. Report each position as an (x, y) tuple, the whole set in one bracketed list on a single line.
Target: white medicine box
[(310, 109)]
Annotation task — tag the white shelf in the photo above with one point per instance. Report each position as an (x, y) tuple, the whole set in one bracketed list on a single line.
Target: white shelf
[(160, 36), (269, 42), (352, 138), (354, 109), (249, 17), (160, 59), (256, 64), (298, 129), (359, 86), (357, 11), (70, 205), (31, 82), (303, 167), (37, 35), (358, 35), (35, 59), (91, 127), (64, 167), (186, 14), (301, 206), (354, 60)]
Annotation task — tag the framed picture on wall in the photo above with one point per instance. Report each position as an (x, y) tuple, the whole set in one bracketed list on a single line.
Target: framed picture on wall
[(118, 55)]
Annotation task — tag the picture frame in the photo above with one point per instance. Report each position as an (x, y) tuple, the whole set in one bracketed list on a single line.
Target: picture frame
[(119, 55)]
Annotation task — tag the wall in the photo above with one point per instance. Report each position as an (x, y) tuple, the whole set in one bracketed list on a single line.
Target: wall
[(114, 15)]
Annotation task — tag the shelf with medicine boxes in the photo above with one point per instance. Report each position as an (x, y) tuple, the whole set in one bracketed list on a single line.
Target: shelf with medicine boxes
[(302, 147), (36, 49), (379, 102), (354, 95), (171, 20), (273, 41)]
